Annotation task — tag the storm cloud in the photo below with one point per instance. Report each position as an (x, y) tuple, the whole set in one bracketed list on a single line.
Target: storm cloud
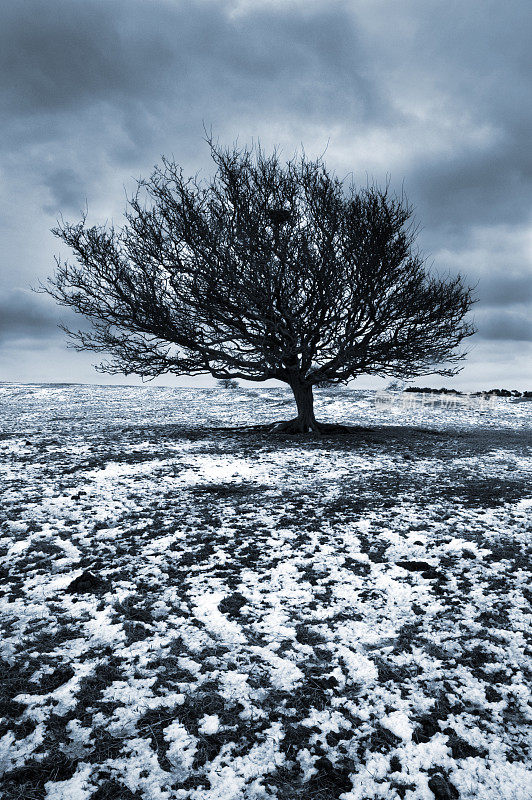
[(28, 316), (430, 95), (66, 56)]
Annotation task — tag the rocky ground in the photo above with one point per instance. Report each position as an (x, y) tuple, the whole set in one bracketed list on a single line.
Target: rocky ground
[(206, 614)]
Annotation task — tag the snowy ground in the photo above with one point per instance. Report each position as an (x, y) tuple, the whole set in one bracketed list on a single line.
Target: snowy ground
[(267, 617)]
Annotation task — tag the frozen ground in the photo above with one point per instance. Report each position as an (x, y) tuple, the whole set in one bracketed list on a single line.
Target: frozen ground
[(264, 617)]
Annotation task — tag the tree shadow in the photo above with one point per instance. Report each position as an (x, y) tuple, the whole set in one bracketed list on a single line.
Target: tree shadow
[(410, 440)]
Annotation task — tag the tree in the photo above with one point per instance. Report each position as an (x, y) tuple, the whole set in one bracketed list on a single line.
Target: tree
[(267, 270), (228, 383)]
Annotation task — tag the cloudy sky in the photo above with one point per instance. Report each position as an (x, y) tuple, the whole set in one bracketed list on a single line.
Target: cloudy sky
[(434, 94)]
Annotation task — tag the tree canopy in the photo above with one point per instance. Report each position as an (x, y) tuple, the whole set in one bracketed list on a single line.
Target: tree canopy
[(266, 270)]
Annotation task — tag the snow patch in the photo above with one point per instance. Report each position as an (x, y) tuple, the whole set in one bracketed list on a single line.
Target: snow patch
[(399, 724), (209, 724)]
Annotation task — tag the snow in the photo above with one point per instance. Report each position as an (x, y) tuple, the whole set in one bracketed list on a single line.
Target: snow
[(206, 610), (182, 747), (510, 782), (209, 724), (253, 623), (359, 668), (76, 788), (283, 673), (399, 724), (14, 752)]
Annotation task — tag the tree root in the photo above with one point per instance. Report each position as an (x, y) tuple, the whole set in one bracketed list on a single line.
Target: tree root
[(290, 427), (297, 426)]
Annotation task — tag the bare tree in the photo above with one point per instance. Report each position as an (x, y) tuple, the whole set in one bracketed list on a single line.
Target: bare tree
[(268, 270), (228, 383)]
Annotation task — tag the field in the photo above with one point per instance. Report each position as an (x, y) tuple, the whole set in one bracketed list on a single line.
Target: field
[(193, 611)]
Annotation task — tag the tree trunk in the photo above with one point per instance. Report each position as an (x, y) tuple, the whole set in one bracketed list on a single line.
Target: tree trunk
[(305, 407), (305, 420)]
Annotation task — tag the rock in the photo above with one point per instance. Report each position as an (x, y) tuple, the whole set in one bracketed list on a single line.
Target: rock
[(231, 605), (432, 575), (441, 788), (415, 566), (427, 570), (395, 764), (87, 583)]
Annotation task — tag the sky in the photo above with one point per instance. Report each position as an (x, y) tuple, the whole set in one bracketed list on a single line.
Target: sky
[(434, 96)]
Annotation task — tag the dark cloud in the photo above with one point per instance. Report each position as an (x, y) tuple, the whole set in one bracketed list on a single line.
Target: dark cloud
[(91, 85), (505, 290), (64, 55), (27, 315), (459, 74), (506, 325), (477, 188), (66, 189)]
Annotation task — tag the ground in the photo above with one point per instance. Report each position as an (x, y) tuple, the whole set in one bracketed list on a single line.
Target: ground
[(196, 613)]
